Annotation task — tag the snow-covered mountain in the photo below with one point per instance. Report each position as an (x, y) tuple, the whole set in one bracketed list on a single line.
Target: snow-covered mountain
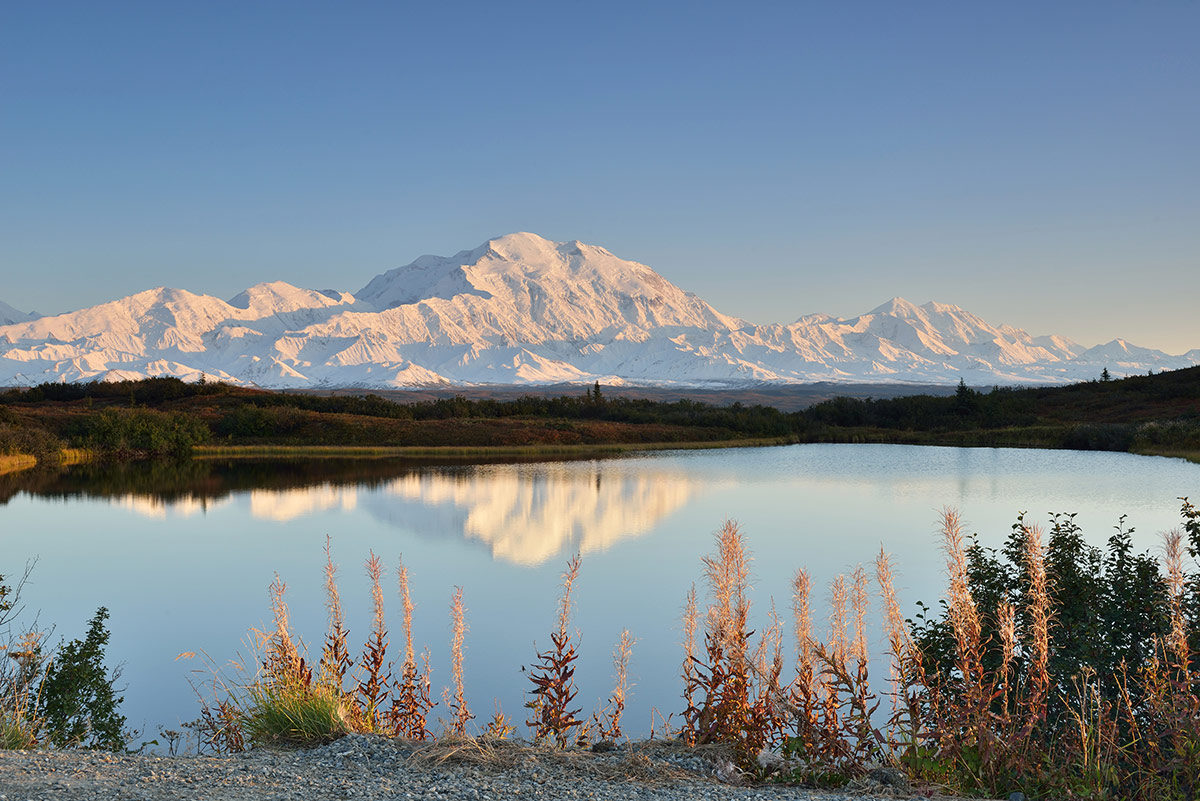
[(9, 315), (520, 309)]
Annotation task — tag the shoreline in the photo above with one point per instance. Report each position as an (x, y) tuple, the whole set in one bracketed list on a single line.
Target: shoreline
[(16, 462), (20, 462), (374, 768), (1170, 453), (204, 452)]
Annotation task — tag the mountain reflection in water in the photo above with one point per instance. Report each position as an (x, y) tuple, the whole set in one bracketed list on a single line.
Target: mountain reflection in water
[(524, 514), (528, 516)]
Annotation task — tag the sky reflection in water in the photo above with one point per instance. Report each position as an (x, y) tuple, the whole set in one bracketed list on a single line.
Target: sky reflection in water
[(183, 558)]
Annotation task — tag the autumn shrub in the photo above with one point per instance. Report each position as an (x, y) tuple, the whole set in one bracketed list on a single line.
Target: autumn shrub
[(1087, 673), (607, 721), (1051, 667), (553, 678), (290, 699)]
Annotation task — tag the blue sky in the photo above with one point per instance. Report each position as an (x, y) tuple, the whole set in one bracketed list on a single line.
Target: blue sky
[(1036, 163)]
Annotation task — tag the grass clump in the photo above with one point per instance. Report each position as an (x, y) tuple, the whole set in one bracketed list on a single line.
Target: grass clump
[(288, 700), (295, 715), (17, 730)]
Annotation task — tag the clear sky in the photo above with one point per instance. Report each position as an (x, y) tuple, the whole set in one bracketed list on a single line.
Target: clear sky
[(1036, 163)]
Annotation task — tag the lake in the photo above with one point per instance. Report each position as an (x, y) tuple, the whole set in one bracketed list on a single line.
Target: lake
[(182, 555)]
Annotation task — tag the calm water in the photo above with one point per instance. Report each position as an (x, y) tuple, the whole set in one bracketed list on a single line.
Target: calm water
[(182, 556)]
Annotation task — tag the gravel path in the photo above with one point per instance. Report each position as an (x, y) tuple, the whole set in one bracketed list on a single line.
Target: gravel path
[(363, 767)]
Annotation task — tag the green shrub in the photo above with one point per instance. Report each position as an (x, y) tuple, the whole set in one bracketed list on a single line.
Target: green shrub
[(77, 701), (1167, 434), (257, 421), (300, 715), (127, 433), (1099, 437), (16, 437)]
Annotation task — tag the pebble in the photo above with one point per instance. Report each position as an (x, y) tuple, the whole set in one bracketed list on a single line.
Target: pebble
[(370, 768)]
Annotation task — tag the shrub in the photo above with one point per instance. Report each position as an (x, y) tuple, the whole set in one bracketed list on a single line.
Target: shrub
[(78, 703), (553, 677), (1182, 434), (1059, 669), (256, 421), (17, 437), (131, 433)]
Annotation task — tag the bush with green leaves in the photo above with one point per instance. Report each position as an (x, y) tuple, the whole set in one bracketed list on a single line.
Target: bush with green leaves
[(1108, 607), (63, 699), (18, 437), (126, 433), (1181, 434), (78, 703)]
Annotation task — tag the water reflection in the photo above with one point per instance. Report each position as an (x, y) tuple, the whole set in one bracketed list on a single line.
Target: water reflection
[(197, 581), (284, 505), (157, 508), (524, 514), (529, 516)]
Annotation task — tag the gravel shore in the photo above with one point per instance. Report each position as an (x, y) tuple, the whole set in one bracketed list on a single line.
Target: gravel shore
[(365, 767)]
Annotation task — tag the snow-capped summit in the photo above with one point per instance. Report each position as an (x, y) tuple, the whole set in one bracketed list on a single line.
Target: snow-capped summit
[(280, 296), (522, 287), (897, 307), (521, 309), (9, 315)]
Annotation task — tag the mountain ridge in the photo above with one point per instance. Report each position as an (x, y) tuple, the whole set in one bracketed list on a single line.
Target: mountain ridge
[(521, 309)]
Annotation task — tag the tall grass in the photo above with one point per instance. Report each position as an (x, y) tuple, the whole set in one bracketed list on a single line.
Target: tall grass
[(411, 704), (607, 721), (457, 703), (997, 692), (980, 697)]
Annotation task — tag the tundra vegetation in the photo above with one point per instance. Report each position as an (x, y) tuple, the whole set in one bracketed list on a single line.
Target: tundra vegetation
[(160, 417)]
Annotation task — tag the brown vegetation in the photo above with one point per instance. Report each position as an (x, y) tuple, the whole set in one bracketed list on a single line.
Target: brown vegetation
[(977, 699)]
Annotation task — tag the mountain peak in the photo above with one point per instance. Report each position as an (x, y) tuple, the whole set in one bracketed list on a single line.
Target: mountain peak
[(534, 287), (524, 248), (10, 315), (521, 308), (279, 296), (899, 307), (521, 244), (942, 308)]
